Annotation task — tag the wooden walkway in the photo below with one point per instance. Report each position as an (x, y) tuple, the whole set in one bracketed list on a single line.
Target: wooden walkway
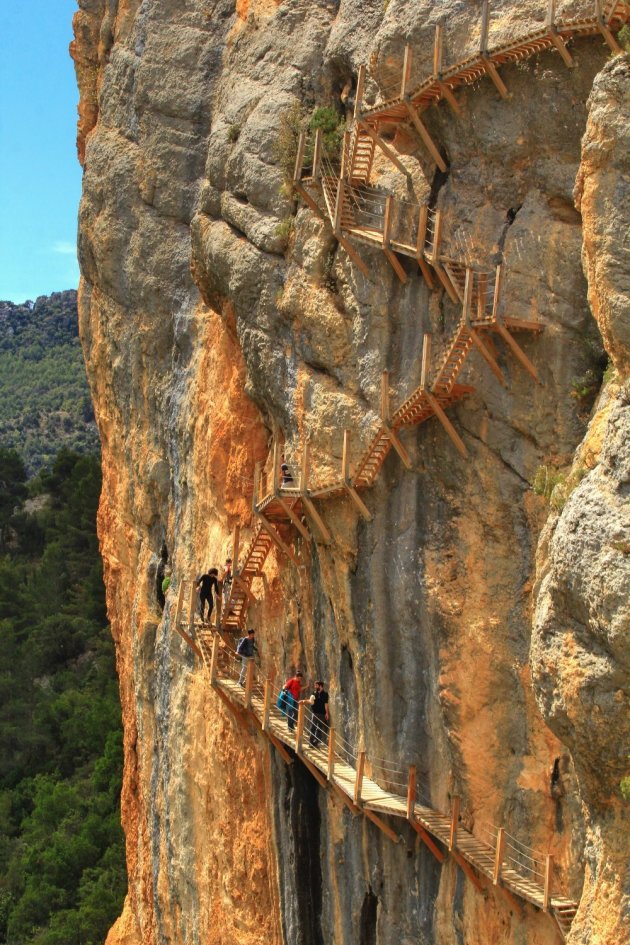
[(379, 789)]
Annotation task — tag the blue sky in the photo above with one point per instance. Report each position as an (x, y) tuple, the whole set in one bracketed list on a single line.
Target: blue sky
[(40, 177)]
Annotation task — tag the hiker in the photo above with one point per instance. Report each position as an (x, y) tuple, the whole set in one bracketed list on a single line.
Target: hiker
[(287, 478), (318, 702), (226, 582), (246, 649), (293, 690), (166, 583), (206, 584)]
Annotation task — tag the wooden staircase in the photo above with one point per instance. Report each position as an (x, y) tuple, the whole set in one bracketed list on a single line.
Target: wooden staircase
[(361, 157), (235, 613)]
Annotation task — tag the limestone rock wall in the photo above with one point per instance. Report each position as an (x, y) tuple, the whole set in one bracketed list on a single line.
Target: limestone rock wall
[(205, 335)]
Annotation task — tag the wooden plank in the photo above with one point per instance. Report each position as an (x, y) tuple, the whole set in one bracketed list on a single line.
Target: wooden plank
[(547, 887), (255, 496), (488, 357), (395, 263), (498, 285), (450, 98), (306, 197), (319, 777), (424, 134), (559, 43), (393, 836), (387, 151), (518, 351), (446, 423), (608, 36), (385, 409), (319, 522), (345, 456), (284, 754), (299, 730), (317, 154), (438, 48), (345, 798)]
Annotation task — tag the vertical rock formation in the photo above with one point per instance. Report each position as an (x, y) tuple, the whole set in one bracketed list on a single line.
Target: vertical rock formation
[(205, 333)]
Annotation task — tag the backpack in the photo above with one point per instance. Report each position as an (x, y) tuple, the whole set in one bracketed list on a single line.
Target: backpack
[(240, 649)]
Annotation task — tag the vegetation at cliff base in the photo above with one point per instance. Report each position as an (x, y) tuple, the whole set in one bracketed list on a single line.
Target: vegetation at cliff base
[(44, 397), (62, 867)]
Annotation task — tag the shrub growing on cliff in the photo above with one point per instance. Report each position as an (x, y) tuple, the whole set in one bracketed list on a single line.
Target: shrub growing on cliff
[(624, 787), (285, 228), (286, 144), (332, 126), (556, 486)]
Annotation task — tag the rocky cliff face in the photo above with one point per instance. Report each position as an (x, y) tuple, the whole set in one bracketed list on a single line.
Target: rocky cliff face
[(206, 334)]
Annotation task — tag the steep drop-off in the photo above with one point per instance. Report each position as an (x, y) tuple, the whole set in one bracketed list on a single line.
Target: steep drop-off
[(204, 337)]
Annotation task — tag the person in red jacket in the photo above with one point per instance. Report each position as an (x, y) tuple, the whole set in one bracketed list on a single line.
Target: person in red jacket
[(293, 688)]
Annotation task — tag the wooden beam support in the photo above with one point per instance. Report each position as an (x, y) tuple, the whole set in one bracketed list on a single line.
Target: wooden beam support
[(192, 607), (488, 357), (385, 148), (424, 134), (344, 797), (447, 92), (446, 423), (314, 770), (498, 856), (331, 754), (358, 501), (406, 71), (560, 45), (345, 456), (498, 285), (293, 518), (426, 361), (518, 352), (308, 200), (452, 837), (316, 517), (391, 257), (266, 705), (284, 754), (275, 467), (428, 840), (358, 101), (400, 449), (608, 36), (468, 870), (180, 602), (299, 158), (278, 542), (354, 256), (255, 496), (189, 640), (393, 836), (358, 783), (385, 409), (420, 241), (491, 70)]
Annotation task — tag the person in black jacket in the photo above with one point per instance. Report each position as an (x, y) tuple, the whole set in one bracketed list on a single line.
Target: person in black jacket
[(206, 584), (321, 719)]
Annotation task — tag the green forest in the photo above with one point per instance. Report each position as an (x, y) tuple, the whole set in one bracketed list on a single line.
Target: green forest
[(44, 398), (62, 865)]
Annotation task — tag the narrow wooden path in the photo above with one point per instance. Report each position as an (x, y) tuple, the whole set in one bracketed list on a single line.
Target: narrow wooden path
[(379, 789)]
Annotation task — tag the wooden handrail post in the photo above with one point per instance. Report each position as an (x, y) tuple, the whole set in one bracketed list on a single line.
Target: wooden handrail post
[(454, 821), (385, 412), (485, 23), (276, 467), (498, 284), (406, 71), (299, 731), (358, 101), (550, 20), (299, 157), (468, 293), (547, 889), (387, 221), (426, 361), (304, 470), (180, 602), (214, 658), (317, 154), (422, 229), (249, 682), (498, 855), (437, 235), (266, 705), (338, 206), (437, 50), (331, 754), (193, 605), (345, 153), (345, 456), (411, 793), (359, 778), (255, 497)]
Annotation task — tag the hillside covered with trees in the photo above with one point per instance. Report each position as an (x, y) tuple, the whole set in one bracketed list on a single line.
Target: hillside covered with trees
[(62, 865), (44, 398)]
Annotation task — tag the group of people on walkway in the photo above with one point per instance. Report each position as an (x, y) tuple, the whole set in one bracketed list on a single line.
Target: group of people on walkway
[(291, 693), (210, 586)]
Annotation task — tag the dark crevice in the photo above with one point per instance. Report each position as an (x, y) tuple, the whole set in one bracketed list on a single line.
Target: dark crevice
[(510, 217), (302, 811), (367, 928), (439, 180)]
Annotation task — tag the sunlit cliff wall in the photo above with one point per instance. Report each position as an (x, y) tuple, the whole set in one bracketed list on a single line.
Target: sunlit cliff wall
[(205, 334)]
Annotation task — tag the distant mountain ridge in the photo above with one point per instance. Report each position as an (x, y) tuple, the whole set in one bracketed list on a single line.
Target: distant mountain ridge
[(44, 398)]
